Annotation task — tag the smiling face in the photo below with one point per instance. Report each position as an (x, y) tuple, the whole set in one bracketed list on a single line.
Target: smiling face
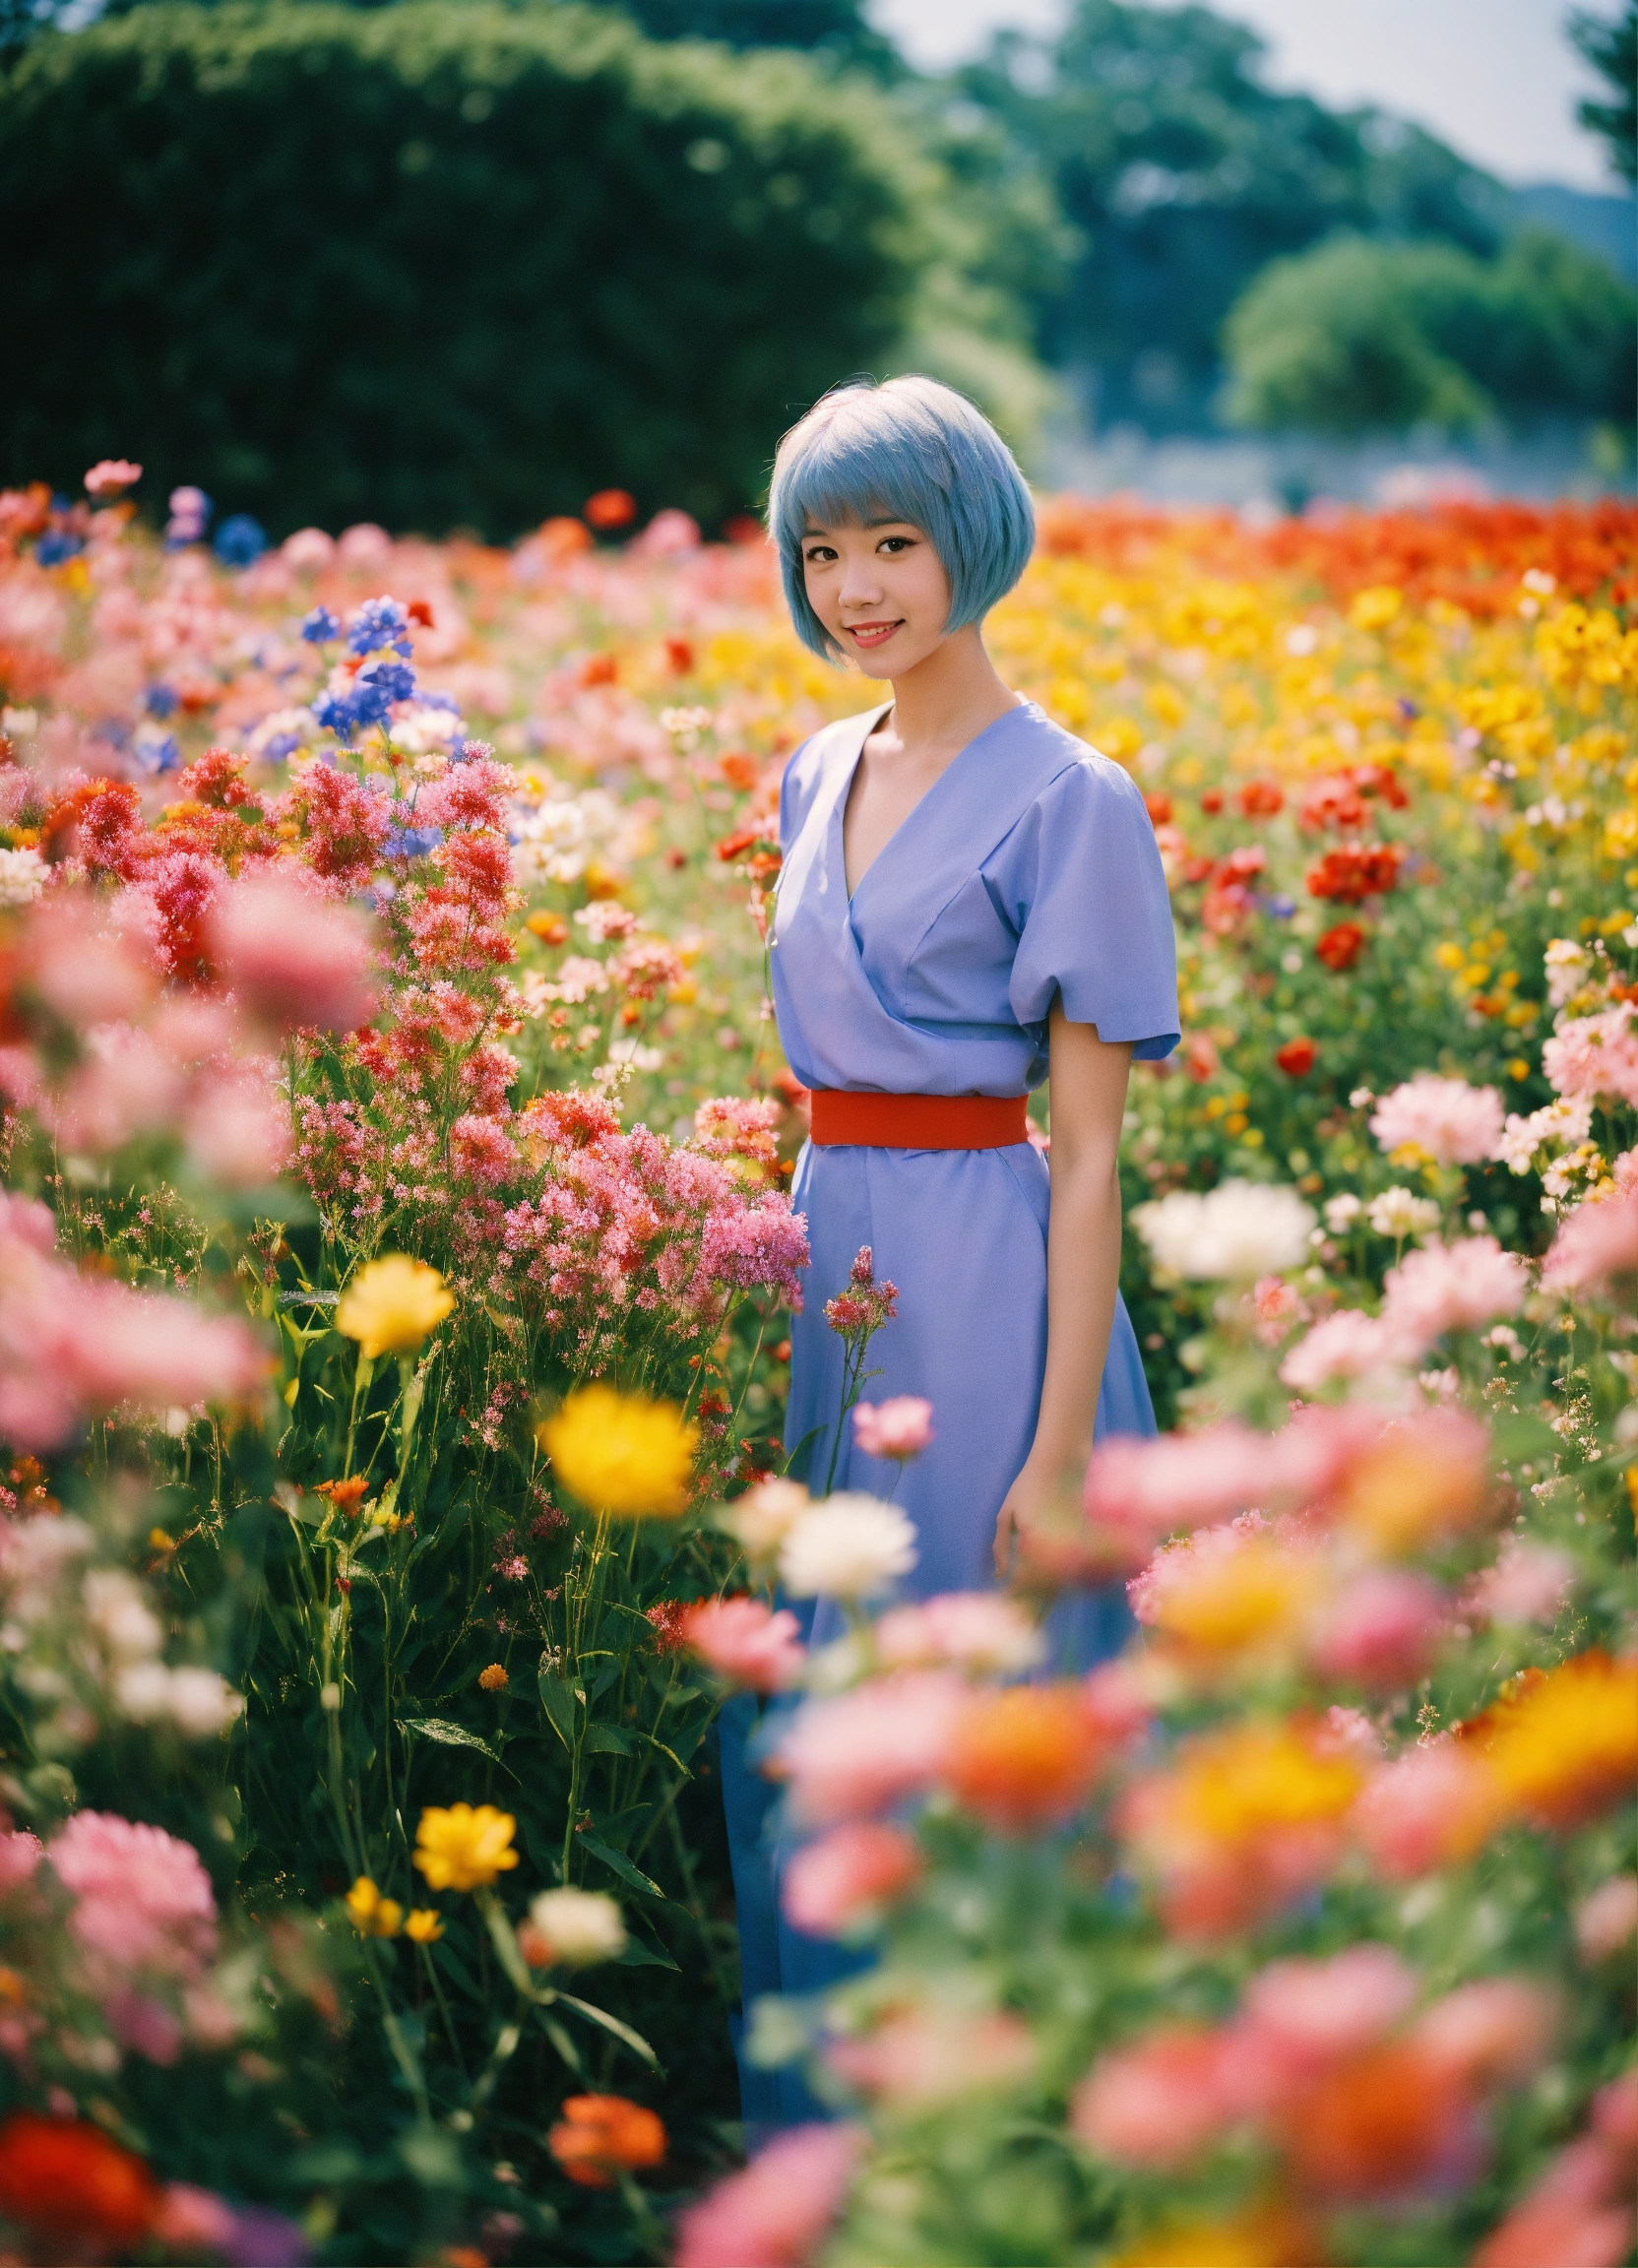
[(879, 588)]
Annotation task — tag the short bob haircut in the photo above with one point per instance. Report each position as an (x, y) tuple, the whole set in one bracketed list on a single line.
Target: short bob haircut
[(909, 450)]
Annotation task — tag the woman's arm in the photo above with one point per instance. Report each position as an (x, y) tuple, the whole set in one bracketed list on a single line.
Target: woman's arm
[(1089, 1079)]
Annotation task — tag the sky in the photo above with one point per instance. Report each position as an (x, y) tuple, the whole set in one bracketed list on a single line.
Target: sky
[(1496, 79)]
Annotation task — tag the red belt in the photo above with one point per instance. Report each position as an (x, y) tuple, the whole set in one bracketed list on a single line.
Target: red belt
[(919, 1121)]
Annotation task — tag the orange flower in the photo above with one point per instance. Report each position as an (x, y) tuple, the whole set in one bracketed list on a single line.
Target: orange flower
[(602, 2133), (1562, 1744), (493, 1678), (1387, 2124), (66, 2182), (1267, 2237), (1025, 1757)]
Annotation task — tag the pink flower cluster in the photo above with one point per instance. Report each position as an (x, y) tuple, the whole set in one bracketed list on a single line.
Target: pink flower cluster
[(1454, 1123), (144, 1921), (777, 2213), (900, 1427), (73, 1347), (1326, 2062), (1434, 1290), (1595, 1056), (745, 1642)]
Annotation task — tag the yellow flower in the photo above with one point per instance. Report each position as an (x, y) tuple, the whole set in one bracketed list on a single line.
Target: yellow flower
[(1563, 1745), (1254, 1779), (493, 1679), (465, 1850), (1255, 2239), (424, 1925), (1375, 608), (372, 1915), (390, 1305), (622, 1453)]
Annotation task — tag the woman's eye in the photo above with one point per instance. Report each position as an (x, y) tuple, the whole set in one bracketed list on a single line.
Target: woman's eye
[(820, 555), (893, 544)]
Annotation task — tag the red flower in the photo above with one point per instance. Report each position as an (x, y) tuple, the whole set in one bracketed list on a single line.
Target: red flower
[(64, 2180), (1261, 799), (1342, 946), (1296, 1057), (1158, 806), (1212, 802), (611, 508), (1350, 873)]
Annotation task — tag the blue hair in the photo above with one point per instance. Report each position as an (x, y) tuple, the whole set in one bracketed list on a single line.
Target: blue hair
[(909, 450)]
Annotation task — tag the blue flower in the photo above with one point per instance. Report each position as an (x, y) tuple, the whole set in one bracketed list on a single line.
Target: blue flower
[(319, 627), (1279, 907), (379, 622), (56, 547), (413, 841), (62, 503), (395, 679), (368, 702), (156, 751), (281, 744), (240, 540), (440, 701), (334, 713), (159, 701)]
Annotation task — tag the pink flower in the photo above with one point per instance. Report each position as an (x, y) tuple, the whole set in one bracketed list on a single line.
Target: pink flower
[(20, 1854), (979, 1631), (1298, 2017), (779, 2211), (1454, 1123), (292, 960), (238, 1132), (847, 1876), (1444, 1287), (899, 1427), (1380, 1631), (855, 1753), (931, 2055), (1595, 1056), (745, 1643), (1607, 1917), (1495, 2032), (194, 2220), (1527, 1582), (1345, 1345), (1432, 1807), (1595, 1242), (109, 474), (1159, 2102), (1138, 1491), (480, 1150), (142, 1899), (1277, 1307)]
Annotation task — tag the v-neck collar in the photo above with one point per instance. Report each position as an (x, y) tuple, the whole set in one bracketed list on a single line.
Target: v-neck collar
[(838, 812)]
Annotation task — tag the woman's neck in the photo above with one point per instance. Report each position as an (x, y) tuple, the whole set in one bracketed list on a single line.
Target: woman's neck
[(949, 698)]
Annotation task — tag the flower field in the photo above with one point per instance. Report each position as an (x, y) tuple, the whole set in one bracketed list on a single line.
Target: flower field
[(395, 1255)]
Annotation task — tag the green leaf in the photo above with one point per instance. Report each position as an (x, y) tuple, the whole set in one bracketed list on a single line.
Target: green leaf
[(558, 1702), (607, 1740), (506, 1946), (564, 2044), (637, 1955), (633, 2040), (449, 1736), (619, 1864)]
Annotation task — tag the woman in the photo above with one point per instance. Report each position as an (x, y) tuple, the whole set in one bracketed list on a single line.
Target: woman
[(971, 901)]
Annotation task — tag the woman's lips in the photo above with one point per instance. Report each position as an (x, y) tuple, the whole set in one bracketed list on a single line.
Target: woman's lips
[(871, 633)]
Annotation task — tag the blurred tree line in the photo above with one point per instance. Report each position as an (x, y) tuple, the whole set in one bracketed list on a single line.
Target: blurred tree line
[(459, 262)]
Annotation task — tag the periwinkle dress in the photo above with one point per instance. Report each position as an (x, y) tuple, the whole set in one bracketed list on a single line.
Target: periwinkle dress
[(1027, 873)]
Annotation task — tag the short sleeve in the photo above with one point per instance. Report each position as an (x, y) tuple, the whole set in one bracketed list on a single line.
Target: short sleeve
[(1081, 879), (797, 786)]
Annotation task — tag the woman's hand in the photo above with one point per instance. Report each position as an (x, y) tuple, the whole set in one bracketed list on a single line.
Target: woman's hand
[(1022, 1501)]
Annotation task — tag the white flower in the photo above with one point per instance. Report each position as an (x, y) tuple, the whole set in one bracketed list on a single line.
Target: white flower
[(202, 1702), (1566, 965), (22, 877), (1567, 1120), (1236, 1232), (579, 1926), (765, 1515), (847, 1547), (197, 1701), (1341, 1212), (1399, 1213), (120, 1615)]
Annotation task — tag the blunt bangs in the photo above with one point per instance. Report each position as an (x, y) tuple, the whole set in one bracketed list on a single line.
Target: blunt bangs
[(909, 450)]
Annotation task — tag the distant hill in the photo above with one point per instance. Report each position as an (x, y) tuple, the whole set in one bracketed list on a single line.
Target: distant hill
[(1607, 225)]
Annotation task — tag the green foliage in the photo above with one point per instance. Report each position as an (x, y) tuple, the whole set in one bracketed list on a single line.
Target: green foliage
[(1185, 176), (436, 264), (1613, 52), (1358, 337), (835, 29)]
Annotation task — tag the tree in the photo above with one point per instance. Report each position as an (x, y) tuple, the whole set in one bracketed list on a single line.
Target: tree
[(1613, 52), (828, 28), (1360, 337), (433, 264), (1185, 176)]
